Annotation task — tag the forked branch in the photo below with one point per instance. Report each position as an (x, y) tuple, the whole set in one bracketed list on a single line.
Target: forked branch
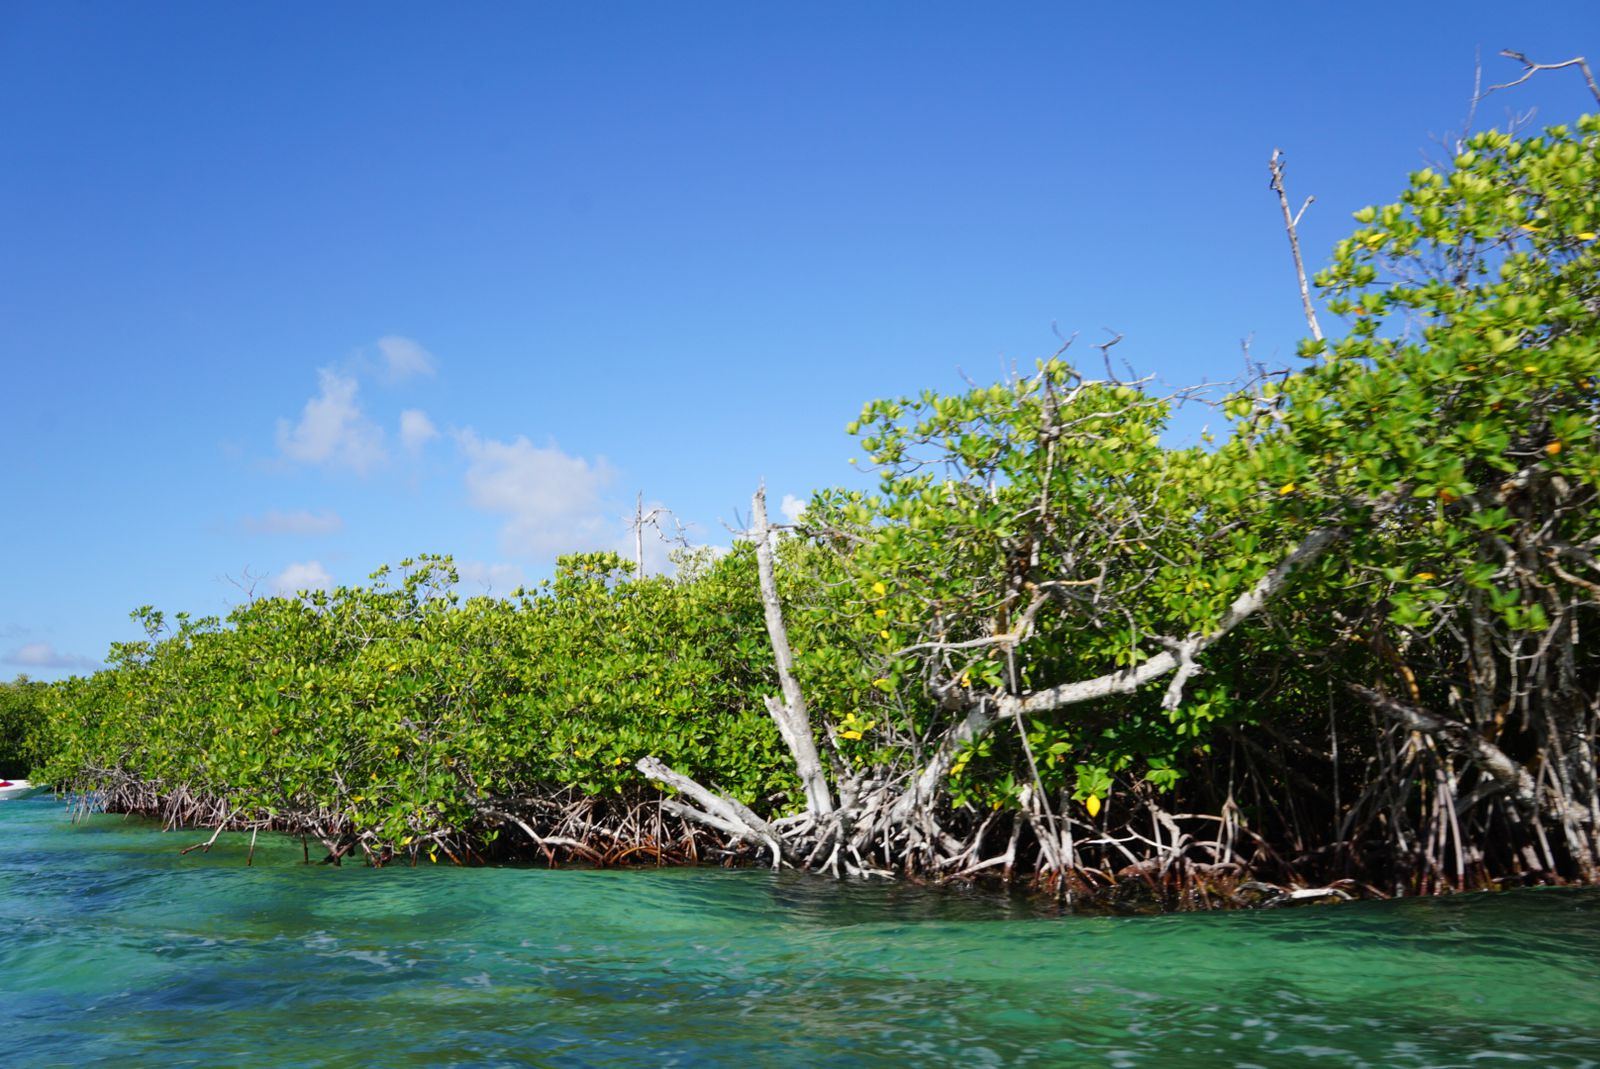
[(1530, 68), (1291, 225)]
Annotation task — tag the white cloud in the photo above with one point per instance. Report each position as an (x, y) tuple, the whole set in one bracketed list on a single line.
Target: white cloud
[(492, 578), (44, 655), (332, 429), (404, 358), (302, 575), (792, 508), (550, 500), (416, 430), (299, 522)]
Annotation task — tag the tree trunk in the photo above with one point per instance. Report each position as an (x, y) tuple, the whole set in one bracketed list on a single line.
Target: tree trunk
[(791, 715)]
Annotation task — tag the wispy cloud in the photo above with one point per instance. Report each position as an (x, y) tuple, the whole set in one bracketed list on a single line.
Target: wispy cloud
[(792, 508), (551, 500), (490, 578), (44, 655), (416, 430), (302, 575), (404, 358), (332, 429), (300, 522)]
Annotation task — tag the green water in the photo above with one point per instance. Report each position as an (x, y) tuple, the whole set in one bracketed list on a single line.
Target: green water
[(115, 949)]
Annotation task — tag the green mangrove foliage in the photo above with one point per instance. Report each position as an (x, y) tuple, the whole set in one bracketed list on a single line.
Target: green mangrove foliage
[(1466, 385), (395, 718), (1352, 641), (23, 743), (1396, 548)]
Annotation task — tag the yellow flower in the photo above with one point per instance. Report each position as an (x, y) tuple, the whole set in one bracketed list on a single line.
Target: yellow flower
[(879, 588), (880, 613), (1553, 448), (883, 634), (1286, 488), (1530, 369), (1092, 804)]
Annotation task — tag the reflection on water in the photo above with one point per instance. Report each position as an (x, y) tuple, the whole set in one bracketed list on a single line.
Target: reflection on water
[(113, 947)]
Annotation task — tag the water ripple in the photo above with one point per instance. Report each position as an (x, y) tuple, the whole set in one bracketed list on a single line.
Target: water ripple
[(114, 947)]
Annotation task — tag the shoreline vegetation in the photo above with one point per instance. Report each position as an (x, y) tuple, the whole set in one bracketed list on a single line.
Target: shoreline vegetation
[(1346, 651)]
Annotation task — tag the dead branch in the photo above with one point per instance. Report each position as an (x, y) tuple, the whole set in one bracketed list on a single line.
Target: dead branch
[(1530, 68), (791, 715), (1291, 226)]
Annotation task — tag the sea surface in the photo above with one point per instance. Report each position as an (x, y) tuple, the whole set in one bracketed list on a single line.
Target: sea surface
[(114, 949)]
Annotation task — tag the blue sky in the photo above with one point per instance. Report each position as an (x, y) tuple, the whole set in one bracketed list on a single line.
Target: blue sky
[(288, 291)]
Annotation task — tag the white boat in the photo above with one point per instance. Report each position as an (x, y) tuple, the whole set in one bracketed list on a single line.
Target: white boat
[(15, 788)]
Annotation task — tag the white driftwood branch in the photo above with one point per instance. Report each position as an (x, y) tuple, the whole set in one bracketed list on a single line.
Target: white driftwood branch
[(791, 715), (716, 810)]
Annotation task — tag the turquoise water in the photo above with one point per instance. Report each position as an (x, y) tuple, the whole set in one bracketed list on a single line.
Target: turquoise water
[(113, 948)]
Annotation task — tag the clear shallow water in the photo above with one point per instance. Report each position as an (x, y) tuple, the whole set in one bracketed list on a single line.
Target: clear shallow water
[(115, 949)]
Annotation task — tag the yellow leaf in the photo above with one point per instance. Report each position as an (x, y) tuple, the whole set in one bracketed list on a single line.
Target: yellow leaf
[(1423, 577), (1586, 235), (1092, 804), (1553, 448), (1530, 369), (1286, 488), (849, 734), (407, 840)]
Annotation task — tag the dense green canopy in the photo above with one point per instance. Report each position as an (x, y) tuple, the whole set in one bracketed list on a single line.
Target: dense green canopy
[(1353, 636)]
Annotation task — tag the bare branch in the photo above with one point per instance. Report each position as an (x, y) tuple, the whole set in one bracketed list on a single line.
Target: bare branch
[(1530, 68), (716, 810), (984, 715), (1291, 225), (791, 715)]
